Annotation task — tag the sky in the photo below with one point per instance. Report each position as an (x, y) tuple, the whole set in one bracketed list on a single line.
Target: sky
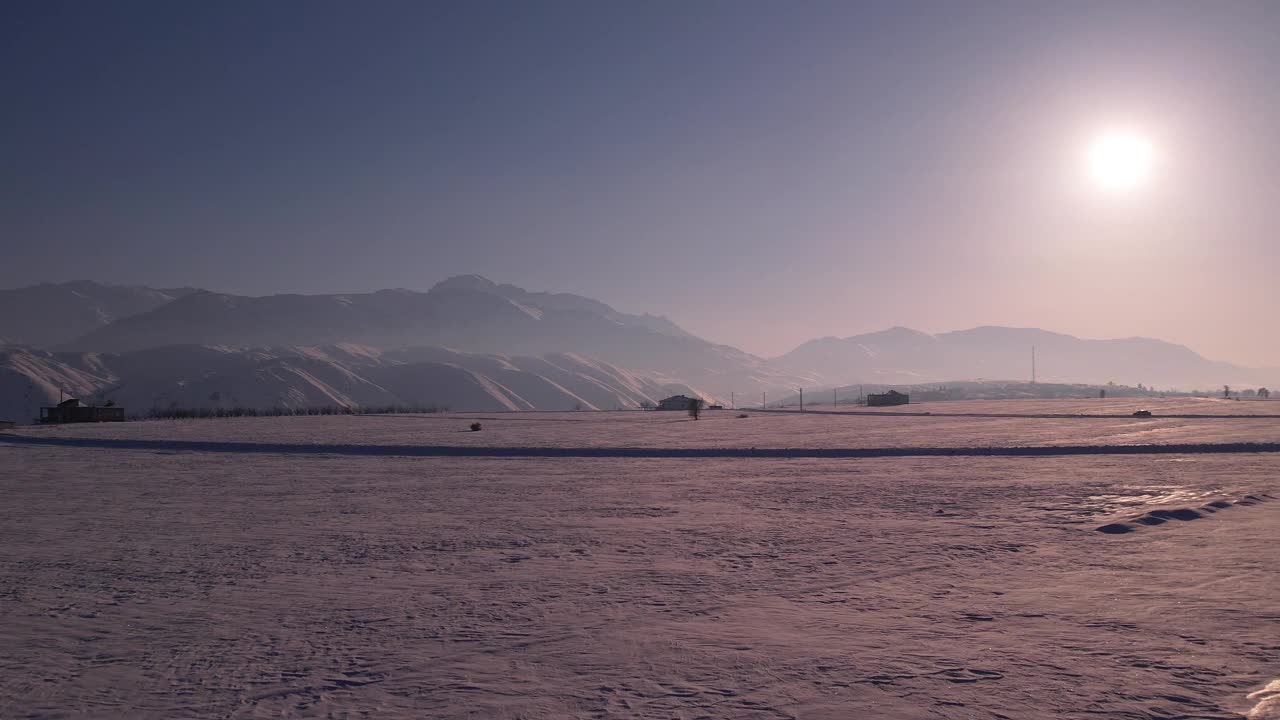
[(762, 172)]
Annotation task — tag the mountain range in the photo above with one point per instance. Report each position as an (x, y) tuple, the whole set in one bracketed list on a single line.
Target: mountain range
[(184, 345), (467, 313), (903, 355)]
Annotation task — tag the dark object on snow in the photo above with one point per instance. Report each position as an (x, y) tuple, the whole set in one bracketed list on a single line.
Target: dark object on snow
[(743, 415), (675, 402), (475, 427), (893, 397), (695, 408), (1142, 413), (1116, 529), (71, 411)]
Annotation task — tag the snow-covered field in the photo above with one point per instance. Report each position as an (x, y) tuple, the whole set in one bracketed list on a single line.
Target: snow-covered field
[(1073, 406), (950, 424), (161, 581)]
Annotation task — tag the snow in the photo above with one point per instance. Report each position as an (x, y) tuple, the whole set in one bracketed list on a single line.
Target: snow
[(164, 583)]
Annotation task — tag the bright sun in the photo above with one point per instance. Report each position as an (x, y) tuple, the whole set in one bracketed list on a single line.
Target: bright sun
[(1120, 161)]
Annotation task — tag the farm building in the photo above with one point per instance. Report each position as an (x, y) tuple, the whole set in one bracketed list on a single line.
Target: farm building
[(893, 397), (677, 402), (71, 411)]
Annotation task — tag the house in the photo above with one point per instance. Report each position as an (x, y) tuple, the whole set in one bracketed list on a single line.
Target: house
[(893, 397), (71, 411), (678, 402)]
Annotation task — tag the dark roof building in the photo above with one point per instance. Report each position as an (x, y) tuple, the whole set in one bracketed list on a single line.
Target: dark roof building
[(71, 411), (678, 402), (893, 397)]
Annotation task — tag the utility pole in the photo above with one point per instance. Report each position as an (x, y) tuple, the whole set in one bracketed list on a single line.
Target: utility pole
[(801, 399), (733, 404), (834, 400), (1033, 364), (764, 400)]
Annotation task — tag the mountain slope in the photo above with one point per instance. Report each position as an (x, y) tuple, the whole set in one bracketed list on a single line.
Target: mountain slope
[(196, 376), (51, 314), (557, 381)]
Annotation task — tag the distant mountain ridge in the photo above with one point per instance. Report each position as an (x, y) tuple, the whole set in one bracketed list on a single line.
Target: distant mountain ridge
[(903, 355), (143, 317), (561, 301), (49, 314)]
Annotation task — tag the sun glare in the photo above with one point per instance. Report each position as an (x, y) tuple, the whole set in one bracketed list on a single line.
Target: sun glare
[(1120, 161)]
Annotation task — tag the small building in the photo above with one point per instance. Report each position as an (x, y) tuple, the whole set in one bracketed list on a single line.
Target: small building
[(893, 397), (6, 424), (71, 411), (678, 402)]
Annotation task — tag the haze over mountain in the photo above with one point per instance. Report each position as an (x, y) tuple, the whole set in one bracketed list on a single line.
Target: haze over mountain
[(49, 314), (903, 355)]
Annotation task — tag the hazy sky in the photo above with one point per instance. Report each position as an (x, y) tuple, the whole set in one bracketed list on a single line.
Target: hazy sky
[(763, 172)]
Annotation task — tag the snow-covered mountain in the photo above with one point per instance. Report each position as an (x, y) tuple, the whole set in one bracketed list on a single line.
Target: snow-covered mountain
[(194, 376), (468, 313), (902, 355)]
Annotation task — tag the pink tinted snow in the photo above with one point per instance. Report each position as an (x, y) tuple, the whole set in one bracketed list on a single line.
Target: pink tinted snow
[(158, 584)]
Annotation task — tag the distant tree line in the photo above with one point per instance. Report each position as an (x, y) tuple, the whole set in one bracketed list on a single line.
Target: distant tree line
[(1261, 393), (175, 413)]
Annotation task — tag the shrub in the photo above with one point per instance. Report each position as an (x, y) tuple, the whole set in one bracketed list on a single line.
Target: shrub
[(475, 427)]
